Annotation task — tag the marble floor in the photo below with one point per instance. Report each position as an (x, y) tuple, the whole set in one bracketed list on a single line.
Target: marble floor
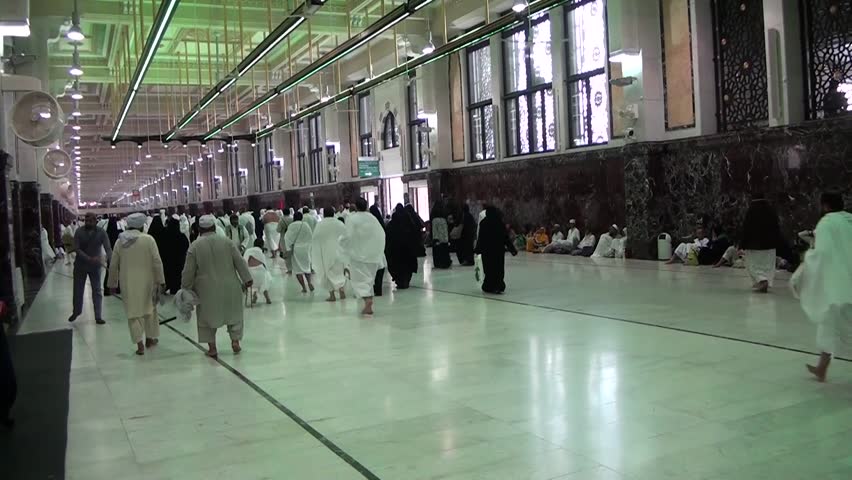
[(583, 370)]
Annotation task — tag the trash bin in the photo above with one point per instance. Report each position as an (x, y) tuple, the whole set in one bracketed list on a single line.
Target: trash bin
[(664, 246)]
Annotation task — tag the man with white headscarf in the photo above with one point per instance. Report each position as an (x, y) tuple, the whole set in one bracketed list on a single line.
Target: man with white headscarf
[(217, 273), (364, 245), (136, 267)]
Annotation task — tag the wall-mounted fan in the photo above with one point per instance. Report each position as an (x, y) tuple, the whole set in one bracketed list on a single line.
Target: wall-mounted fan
[(37, 119), (57, 164)]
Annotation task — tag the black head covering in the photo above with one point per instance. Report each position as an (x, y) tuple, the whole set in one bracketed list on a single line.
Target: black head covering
[(112, 231), (156, 229), (378, 214)]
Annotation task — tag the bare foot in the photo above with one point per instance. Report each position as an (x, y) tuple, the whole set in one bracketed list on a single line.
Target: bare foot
[(761, 286), (367, 311), (235, 346), (212, 353), (819, 373), (331, 298), (140, 348)]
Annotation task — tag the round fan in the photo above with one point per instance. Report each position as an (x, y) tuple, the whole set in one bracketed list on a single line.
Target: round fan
[(57, 164), (37, 119)]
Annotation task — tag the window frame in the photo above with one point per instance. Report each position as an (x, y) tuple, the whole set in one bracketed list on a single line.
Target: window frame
[(389, 128), (586, 77), (479, 106), (301, 150), (365, 132), (316, 147), (416, 161), (529, 93)]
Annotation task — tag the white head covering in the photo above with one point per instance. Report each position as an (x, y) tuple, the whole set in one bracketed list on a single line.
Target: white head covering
[(572, 221), (206, 221), (136, 221)]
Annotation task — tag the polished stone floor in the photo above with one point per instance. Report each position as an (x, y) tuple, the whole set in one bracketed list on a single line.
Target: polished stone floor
[(583, 370)]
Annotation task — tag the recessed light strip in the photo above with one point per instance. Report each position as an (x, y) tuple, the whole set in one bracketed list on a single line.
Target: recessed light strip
[(164, 17), (279, 34), (393, 17)]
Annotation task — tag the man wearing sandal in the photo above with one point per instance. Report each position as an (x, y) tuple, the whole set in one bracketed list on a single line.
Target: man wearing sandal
[(217, 273)]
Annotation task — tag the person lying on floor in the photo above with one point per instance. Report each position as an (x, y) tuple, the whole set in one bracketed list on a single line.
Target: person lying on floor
[(719, 244)]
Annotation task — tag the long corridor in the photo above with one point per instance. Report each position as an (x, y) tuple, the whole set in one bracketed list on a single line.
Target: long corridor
[(585, 370)]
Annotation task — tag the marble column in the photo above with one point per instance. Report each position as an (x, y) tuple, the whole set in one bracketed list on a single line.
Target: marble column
[(7, 256)]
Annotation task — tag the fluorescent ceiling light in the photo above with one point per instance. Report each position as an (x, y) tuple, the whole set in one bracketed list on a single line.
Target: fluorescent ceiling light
[(272, 45), (15, 28)]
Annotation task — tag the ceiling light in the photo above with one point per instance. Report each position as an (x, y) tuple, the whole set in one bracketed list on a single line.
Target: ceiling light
[(220, 149), (209, 155), (147, 155), (76, 128), (76, 137), (75, 34), (137, 162), (519, 6), (430, 47), (75, 69), (112, 146), (45, 114), (139, 146), (76, 111), (76, 94)]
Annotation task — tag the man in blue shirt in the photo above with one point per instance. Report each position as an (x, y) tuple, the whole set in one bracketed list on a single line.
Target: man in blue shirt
[(88, 242)]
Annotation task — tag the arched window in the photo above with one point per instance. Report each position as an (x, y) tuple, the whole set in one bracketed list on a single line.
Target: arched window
[(389, 138)]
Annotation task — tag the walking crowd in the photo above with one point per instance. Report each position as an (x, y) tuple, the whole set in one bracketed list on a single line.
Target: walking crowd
[(211, 263)]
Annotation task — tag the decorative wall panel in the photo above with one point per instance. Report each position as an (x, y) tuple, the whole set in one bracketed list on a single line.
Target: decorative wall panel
[(742, 94), (456, 107), (827, 27), (678, 84)]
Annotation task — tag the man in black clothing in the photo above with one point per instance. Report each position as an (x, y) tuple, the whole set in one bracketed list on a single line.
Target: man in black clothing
[(88, 242)]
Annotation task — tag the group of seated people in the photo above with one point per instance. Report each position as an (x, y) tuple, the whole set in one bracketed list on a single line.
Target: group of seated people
[(720, 250), (569, 241)]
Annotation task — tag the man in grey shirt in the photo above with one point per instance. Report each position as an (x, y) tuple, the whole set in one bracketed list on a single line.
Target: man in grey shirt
[(88, 242)]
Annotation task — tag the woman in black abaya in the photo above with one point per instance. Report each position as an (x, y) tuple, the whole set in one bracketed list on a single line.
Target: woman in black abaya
[(492, 245), (173, 254), (112, 232), (380, 274), (401, 249)]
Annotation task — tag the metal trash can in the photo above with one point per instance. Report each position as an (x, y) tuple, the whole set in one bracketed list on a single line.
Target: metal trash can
[(664, 246)]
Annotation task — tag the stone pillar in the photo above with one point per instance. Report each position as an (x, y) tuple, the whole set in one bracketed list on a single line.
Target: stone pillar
[(46, 207)]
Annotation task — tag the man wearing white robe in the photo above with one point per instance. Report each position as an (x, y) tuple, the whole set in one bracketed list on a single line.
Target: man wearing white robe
[(136, 267), (271, 237), (297, 241), (309, 217), (823, 282), (247, 221), (364, 246), (216, 272), (604, 248), (573, 236), (327, 256), (184, 225), (283, 225)]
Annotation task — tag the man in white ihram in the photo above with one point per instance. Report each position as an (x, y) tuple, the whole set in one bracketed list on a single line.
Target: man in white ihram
[(364, 245), (217, 273), (823, 282)]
